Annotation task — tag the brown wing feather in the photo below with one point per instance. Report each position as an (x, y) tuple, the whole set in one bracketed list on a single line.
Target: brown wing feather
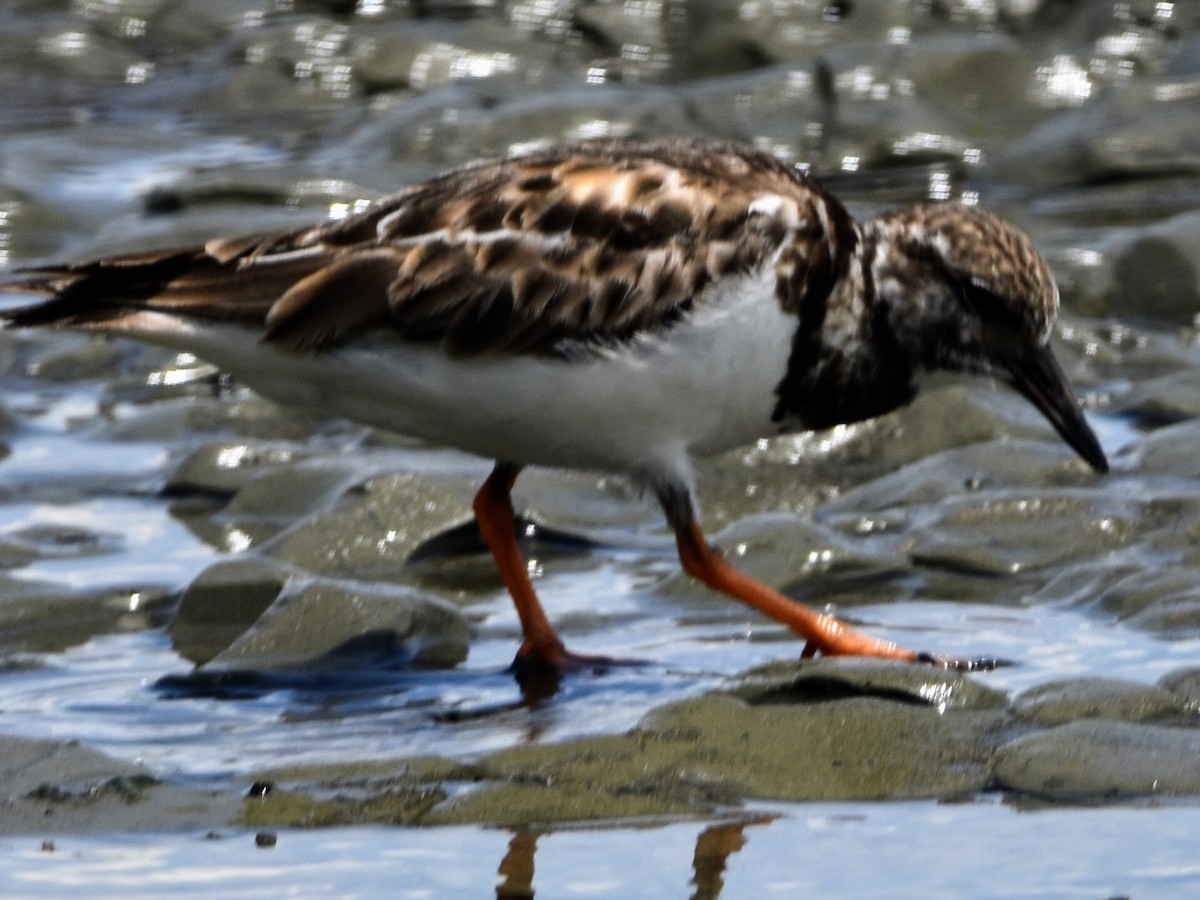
[(315, 312), (587, 244), (187, 280)]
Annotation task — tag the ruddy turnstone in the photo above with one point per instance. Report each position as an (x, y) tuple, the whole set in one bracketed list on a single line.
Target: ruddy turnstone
[(623, 306)]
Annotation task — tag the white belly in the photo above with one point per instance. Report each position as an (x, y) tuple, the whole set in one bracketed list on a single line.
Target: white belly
[(705, 385)]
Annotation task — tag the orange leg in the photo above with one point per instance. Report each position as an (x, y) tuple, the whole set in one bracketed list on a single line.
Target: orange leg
[(824, 633), (541, 644)]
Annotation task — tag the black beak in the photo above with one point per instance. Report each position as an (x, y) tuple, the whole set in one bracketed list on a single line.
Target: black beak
[(1035, 373)]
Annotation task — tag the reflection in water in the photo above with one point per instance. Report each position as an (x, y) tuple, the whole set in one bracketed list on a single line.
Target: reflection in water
[(516, 869), (714, 845), (928, 850)]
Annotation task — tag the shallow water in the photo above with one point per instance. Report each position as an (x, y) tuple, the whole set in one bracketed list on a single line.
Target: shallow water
[(104, 692), (858, 850), (958, 525)]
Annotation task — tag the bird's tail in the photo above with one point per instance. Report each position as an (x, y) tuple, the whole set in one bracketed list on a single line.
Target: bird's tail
[(212, 282)]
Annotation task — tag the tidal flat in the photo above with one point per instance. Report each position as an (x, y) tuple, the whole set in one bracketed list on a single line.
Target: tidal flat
[(245, 650)]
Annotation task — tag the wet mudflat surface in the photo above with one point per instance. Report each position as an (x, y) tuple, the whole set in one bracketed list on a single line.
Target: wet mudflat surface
[(201, 592)]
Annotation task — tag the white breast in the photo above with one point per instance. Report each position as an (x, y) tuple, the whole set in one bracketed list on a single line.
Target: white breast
[(704, 385)]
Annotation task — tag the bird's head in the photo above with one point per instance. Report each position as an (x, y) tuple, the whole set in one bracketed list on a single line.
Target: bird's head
[(962, 291)]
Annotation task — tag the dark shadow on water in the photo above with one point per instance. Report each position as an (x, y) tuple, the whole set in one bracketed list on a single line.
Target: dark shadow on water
[(441, 697), (252, 684), (375, 661)]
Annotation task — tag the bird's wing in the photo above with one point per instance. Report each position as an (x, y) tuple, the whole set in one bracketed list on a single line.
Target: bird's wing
[(590, 244)]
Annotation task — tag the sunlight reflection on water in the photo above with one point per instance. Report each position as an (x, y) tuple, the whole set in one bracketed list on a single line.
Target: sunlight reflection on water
[(778, 850), (103, 692)]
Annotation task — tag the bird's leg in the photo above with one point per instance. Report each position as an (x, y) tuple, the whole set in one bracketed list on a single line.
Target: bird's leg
[(824, 633), (541, 646), (494, 513)]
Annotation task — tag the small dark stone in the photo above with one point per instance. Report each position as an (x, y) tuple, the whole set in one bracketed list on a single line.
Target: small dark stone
[(266, 839)]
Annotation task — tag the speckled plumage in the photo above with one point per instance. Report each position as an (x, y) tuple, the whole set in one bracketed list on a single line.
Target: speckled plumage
[(584, 244), (620, 305)]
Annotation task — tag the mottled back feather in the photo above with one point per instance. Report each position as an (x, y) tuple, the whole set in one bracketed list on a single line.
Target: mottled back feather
[(583, 245)]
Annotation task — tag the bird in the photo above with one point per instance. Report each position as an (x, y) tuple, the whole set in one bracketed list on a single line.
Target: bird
[(625, 306)]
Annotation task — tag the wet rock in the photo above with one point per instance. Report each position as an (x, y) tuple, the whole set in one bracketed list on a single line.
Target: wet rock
[(1135, 130), (389, 806), (851, 749), (1009, 534), (1157, 277), (421, 55), (186, 418), (880, 122), (86, 55), (459, 123), (48, 618), (225, 467), (393, 793), (1170, 533), (774, 477), (1172, 450), (1173, 617), (583, 503), (1150, 270), (991, 427), (958, 415), (378, 525), (411, 771), (295, 491), (267, 191), (322, 624), (796, 555), (993, 466), (222, 603), (600, 785), (271, 501), (829, 680), (980, 83), (28, 230), (1087, 220), (54, 787), (75, 359), (712, 751), (1059, 702), (720, 38), (1101, 761), (114, 16), (1184, 684), (1139, 593), (1166, 400), (1185, 57), (1079, 585)]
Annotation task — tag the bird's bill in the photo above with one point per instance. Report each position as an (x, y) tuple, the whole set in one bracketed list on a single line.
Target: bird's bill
[(1036, 374)]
